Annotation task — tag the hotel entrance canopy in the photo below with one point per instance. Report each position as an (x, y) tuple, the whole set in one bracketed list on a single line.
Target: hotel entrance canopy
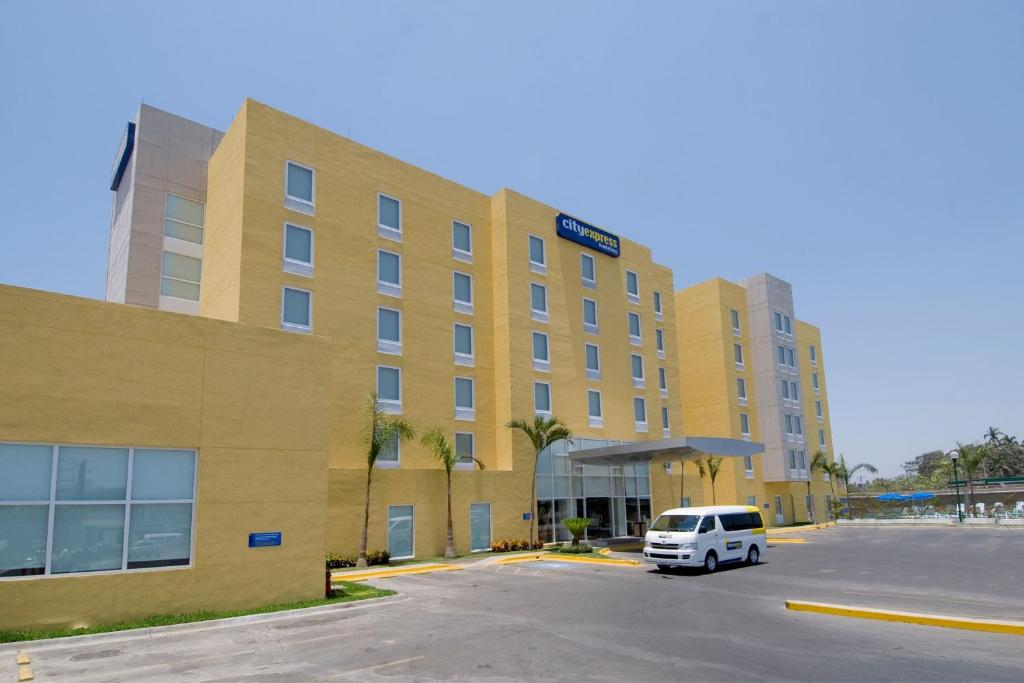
[(667, 450)]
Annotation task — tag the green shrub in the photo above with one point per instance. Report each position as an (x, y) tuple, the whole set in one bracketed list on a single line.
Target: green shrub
[(576, 526), (574, 549), (340, 561), (507, 545), (378, 557)]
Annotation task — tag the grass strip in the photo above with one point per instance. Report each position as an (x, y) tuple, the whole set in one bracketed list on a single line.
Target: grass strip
[(345, 591)]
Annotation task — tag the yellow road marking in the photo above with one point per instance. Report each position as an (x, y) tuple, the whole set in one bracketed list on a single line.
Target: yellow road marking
[(786, 540), (25, 674), (966, 623), (560, 557), (394, 571), (23, 658)]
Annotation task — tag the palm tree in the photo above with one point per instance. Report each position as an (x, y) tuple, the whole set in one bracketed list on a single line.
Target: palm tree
[(846, 473), (708, 468), (994, 435), (682, 481), (816, 463), (446, 456), (379, 432), (972, 458), (577, 526), (826, 468), (542, 432)]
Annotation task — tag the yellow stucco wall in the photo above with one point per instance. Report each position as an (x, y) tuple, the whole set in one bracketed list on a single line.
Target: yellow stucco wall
[(252, 402)]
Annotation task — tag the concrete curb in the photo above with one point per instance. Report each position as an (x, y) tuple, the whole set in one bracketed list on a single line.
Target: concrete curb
[(563, 557), (207, 625), (1015, 628), (408, 570)]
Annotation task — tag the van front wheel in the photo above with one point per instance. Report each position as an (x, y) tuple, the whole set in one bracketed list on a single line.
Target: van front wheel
[(754, 555), (710, 562)]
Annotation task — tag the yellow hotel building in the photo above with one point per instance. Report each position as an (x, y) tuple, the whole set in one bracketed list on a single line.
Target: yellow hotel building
[(206, 422)]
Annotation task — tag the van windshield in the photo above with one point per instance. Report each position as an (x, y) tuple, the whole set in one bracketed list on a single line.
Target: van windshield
[(675, 523)]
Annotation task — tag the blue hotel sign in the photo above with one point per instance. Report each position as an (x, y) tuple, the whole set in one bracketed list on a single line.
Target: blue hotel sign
[(587, 235), (264, 539)]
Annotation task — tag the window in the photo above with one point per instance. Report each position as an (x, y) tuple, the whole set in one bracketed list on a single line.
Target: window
[(538, 264), (462, 241), (588, 275), (812, 353), (734, 316), (778, 321), (737, 354), (632, 287), (542, 398), (97, 508), (593, 361), (594, 415), (183, 218), (798, 425), (180, 276), (462, 336), (659, 341), (390, 454), (389, 330), (541, 359), (781, 354), (389, 273), (462, 292), (401, 538), (538, 302), (785, 390), (389, 217), (634, 328), (684, 502), (744, 424), (662, 381), (789, 424), (794, 393), (783, 323), (657, 306), (464, 404), (479, 527), (389, 389), (464, 450), (636, 363), (296, 309), (639, 414), (752, 501), (817, 410), (787, 324), (741, 388), (590, 316), (748, 463), (814, 382), (298, 250), (299, 188), (821, 438), (790, 357), (664, 421)]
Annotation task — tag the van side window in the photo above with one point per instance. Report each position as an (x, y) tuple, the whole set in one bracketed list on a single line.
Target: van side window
[(755, 520), (707, 524)]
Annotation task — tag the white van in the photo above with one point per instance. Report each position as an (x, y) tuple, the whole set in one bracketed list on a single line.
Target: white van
[(705, 537)]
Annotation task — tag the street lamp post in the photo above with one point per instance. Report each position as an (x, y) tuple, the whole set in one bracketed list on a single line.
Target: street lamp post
[(956, 482)]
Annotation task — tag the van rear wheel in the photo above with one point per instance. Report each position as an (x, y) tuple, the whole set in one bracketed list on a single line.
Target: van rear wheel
[(753, 555), (710, 562)]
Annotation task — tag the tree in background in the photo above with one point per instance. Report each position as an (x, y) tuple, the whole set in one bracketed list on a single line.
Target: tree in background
[(542, 432), (379, 432), (446, 456), (971, 463), (816, 463), (846, 473), (708, 468)]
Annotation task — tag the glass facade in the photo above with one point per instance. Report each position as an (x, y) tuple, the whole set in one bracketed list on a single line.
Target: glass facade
[(616, 498)]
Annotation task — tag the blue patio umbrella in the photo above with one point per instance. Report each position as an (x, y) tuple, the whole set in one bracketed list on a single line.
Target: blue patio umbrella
[(892, 497), (921, 495)]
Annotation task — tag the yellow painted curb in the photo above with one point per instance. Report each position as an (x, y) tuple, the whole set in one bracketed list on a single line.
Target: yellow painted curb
[(560, 557), (396, 571), (520, 558), (786, 540), (1015, 628), (25, 674), (603, 551), (800, 529)]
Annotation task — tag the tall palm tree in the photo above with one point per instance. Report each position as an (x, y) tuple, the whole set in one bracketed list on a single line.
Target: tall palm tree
[(972, 459), (379, 431), (708, 468), (846, 473), (816, 463), (542, 432), (994, 435), (446, 456)]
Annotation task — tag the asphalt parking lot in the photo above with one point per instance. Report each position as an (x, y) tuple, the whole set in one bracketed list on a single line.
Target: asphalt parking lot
[(563, 622)]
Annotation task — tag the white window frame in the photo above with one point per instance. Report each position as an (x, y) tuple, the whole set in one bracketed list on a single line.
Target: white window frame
[(387, 345), (191, 305), (748, 472), (297, 203), (462, 412), (542, 365), (537, 267), (822, 441), (388, 405), (596, 421), (467, 360), (386, 231), (635, 340), (459, 465), (657, 306), (819, 411), (460, 254), (178, 241), (458, 305), (641, 381), (387, 539), (745, 434), (294, 266), (490, 522), (592, 373), (666, 429), (551, 401), (587, 282), (388, 464), (740, 365), (741, 396), (638, 425), (594, 327), (389, 288), (535, 314), (659, 342), (294, 327), (128, 503), (630, 297), (815, 383), (812, 353), (663, 382), (734, 320)]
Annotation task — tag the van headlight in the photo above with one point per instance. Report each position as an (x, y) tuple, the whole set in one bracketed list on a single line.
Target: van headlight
[(687, 546)]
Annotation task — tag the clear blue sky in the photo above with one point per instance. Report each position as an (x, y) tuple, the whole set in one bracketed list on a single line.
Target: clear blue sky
[(871, 153)]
